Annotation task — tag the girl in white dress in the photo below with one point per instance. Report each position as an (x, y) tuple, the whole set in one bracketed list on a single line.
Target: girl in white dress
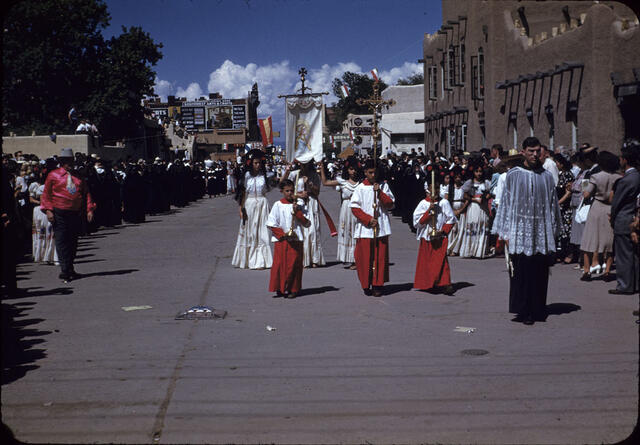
[(346, 241), (475, 230), (253, 250), (43, 244), (459, 205), (308, 188)]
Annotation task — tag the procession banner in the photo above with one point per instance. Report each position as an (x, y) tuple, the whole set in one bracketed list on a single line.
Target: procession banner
[(266, 131), (303, 117)]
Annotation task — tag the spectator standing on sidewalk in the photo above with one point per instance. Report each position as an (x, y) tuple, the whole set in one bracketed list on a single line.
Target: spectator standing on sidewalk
[(623, 210), (62, 201)]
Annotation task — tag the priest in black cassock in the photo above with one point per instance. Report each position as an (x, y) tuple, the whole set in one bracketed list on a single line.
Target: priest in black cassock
[(528, 219)]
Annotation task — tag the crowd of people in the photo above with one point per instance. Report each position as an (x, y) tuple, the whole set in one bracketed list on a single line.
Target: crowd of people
[(595, 192), (123, 191)]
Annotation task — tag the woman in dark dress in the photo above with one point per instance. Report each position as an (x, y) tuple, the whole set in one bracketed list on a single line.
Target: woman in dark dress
[(563, 190)]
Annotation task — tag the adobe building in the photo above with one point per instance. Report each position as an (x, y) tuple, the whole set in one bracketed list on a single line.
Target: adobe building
[(567, 72), (398, 128)]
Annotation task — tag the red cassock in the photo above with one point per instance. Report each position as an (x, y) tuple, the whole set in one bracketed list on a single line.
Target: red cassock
[(372, 253), (432, 268), (286, 270)]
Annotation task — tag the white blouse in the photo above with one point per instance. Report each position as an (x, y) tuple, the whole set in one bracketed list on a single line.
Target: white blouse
[(444, 215), (362, 198), (255, 186), (346, 188)]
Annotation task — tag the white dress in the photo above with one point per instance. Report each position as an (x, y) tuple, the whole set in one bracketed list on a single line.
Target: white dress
[(42, 240), (311, 246), (475, 230), (346, 240), (252, 247), (454, 235)]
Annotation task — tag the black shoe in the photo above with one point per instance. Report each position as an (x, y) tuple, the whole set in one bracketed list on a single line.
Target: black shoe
[(620, 292), (528, 320), (65, 277), (607, 277), (377, 291), (448, 290), (368, 292), (585, 277), (75, 275)]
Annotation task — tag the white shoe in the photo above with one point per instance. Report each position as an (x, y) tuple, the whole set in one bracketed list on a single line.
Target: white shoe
[(595, 270)]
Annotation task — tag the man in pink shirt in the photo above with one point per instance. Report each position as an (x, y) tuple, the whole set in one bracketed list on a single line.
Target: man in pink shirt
[(62, 201)]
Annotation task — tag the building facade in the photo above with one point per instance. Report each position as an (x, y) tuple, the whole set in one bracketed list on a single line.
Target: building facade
[(219, 125), (398, 128), (499, 71)]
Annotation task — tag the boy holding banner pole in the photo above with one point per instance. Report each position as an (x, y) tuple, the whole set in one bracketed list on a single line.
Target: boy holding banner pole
[(370, 204)]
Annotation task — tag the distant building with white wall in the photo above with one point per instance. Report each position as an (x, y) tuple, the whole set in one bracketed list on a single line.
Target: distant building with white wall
[(398, 127)]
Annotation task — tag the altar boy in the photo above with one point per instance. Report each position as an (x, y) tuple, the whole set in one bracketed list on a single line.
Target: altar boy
[(433, 219), (370, 204), (286, 271)]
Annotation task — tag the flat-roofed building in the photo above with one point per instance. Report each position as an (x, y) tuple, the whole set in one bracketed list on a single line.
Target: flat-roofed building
[(500, 71)]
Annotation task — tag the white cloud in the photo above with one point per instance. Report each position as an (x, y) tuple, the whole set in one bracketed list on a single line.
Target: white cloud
[(235, 81), (162, 88), (391, 76), (320, 79), (192, 92)]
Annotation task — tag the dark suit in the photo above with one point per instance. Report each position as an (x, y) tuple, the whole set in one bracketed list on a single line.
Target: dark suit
[(623, 209)]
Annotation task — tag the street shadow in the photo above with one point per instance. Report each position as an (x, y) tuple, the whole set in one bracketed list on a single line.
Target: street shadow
[(87, 261), (19, 341), (461, 285), (84, 256), (7, 437), (316, 290), (107, 273), (331, 263), (29, 292), (391, 289), (561, 308)]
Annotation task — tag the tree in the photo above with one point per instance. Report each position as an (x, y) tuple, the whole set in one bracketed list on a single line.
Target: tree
[(123, 77), (360, 86), (414, 79), (55, 55)]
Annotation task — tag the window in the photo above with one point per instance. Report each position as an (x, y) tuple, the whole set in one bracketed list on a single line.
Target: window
[(442, 81), (433, 82), (450, 66), (451, 141), (474, 77), (461, 65), (480, 93), (463, 137)]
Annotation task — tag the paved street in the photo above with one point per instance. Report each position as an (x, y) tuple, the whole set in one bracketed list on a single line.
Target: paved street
[(340, 366)]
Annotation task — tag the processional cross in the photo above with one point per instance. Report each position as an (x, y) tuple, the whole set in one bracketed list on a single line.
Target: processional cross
[(375, 104)]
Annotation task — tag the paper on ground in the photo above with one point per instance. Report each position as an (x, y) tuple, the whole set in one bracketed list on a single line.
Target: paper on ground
[(135, 308)]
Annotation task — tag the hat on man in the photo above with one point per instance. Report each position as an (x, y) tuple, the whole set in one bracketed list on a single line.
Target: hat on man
[(66, 153)]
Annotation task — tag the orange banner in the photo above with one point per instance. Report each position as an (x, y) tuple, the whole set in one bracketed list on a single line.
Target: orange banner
[(266, 131)]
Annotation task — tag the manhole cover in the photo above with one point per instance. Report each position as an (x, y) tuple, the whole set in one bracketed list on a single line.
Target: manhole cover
[(474, 352), (201, 313)]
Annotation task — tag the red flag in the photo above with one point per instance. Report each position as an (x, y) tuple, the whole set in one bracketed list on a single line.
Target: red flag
[(374, 73), (266, 131)]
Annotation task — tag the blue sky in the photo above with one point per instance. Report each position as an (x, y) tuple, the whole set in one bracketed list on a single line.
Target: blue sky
[(227, 45)]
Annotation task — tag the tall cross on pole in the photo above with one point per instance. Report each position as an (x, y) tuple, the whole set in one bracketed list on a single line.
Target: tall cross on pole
[(375, 103)]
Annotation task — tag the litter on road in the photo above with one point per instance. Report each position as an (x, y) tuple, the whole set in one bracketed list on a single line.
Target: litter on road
[(201, 313), (464, 329), (270, 328), (135, 308)]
